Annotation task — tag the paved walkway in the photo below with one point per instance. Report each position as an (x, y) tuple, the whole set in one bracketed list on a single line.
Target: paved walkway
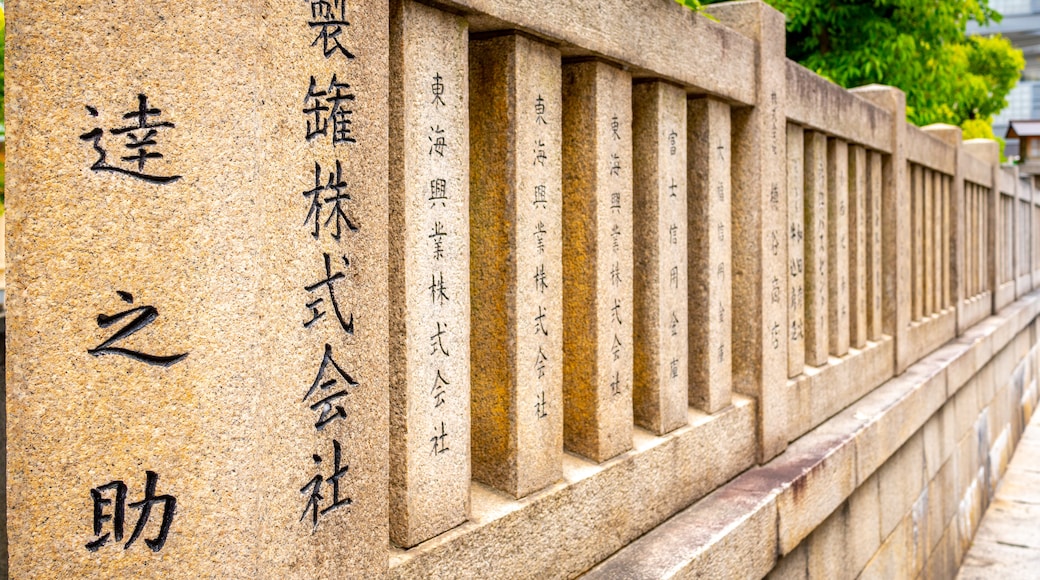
[(1007, 545)]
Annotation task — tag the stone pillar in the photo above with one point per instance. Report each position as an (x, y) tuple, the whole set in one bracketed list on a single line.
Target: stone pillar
[(858, 247), (517, 275), (660, 396), (597, 269), (198, 290), (429, 273), (928, 239), (838, 245), (875, 252), (918, 241), (817, 300), (895, 222), (760, 220), (796, 250), (710, 265), (989, 151)]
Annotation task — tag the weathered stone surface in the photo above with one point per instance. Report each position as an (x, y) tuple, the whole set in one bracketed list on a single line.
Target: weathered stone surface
[(857, 241), (759, 224), (660, 394), (838, 245), (516, 279), (224, 265), (597, 265), (795, 250), (817, 298), (429, 273), (711, 260), (875, 252)]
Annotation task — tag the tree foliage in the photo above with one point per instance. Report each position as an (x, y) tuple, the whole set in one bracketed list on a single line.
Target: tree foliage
[(917, 45)]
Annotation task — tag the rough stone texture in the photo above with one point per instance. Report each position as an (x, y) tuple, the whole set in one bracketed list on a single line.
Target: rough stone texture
[(645, 43), (225, 257), (795, 250), (817, 298), (857, 247), (517, 373), (732, 530), (927, 264), (710, 264), (917, 182), (594, 503), (597, 265), (875, 253), (660, 394), (817, 103), (429, 353), (759, 223), (793, 566), (895, 228), (838, 245)]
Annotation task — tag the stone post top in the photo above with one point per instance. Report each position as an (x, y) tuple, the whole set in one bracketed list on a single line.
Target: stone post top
[(987, 150), (950, 134)]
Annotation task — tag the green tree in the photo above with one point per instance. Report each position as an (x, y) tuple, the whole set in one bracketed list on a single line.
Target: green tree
[(918, 46)]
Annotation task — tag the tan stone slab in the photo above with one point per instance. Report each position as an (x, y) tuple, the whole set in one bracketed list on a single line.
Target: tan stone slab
[(793, 566), (931, 333), (900, 482), (828, 547), (817, 299), (938, 251), (875, 252), (595, 503), (710, 265), (931, 151), (644, 41), (795, 250), (516, 279), (819, 104), (660, 393), (864, 536), (597, 266), (429, 390), (731, 530), (838, 246), (214, 265), (759, 222), (857, 247)]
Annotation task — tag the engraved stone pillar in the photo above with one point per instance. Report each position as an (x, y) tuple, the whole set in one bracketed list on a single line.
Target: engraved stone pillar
[(597, 266), (198, 292), (429, 273), (838, 244), (759, 221), (874, 250), (710, 266), (895, 222), (796, 249), (817, 300), (516, 278), (858, 247), (989, 208), (661, 370)]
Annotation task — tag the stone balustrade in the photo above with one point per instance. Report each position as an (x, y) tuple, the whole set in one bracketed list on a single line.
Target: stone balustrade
[(489, 288)]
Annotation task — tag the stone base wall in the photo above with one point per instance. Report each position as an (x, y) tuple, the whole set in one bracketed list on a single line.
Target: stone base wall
[(893, 487)]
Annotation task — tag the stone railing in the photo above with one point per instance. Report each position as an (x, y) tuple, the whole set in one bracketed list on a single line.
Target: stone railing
[(484, 288)]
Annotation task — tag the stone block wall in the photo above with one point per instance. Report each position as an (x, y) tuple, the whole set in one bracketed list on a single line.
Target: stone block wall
[(491, 288)]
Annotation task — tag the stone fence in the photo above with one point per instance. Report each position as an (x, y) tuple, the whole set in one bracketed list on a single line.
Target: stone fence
[(494, 288)]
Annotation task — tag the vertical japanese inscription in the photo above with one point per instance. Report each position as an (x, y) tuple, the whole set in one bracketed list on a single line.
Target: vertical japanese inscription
[(795, 250), (857, 247), (661, 361), (597, 188), (430, 395), (816, 259), (874, 274), (709, 218), (516, 280)]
